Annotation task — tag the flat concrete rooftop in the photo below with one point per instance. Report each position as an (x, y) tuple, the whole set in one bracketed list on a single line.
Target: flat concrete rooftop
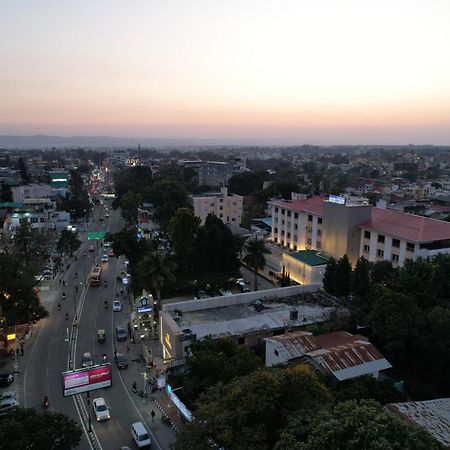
[(243, 319)]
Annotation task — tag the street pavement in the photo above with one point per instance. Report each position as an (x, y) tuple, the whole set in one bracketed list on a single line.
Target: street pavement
[(46, 352)]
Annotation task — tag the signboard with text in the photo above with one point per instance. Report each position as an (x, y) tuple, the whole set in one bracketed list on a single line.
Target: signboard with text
[(336, 199), (88, 379)]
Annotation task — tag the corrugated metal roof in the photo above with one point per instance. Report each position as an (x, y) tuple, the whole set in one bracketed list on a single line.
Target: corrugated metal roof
[(433, 415)]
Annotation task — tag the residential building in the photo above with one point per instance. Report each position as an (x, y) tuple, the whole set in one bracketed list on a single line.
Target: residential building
[(21, 194), (228, 208), (340, 354), (336, 227), (146, 218), (210, 173), (305, 266)]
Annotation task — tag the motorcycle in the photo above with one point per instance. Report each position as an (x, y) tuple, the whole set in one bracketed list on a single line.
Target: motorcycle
[(166, 420), (59, 306), (67, 316), (134, 388), (45, 403), (106, 284), (106, 304)]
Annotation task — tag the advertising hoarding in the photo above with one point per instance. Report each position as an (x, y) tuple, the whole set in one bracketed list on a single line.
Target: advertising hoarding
[(336, 199), (88, 379)]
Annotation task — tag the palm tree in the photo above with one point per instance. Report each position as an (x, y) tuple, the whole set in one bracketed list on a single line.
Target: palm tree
[(255, 250), (156, 269)]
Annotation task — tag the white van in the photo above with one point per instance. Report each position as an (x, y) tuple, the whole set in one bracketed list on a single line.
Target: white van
[(140, 435)]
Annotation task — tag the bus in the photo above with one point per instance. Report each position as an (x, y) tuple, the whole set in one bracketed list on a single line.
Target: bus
[(95, 276)]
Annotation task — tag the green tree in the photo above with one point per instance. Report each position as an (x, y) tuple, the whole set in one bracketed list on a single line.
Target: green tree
[(245, 183), (343, 277), (154, 272), (129, 204), (354, 425), (68, 242), (28, 429), (329, 277), (248, 412), (381, 271), (213, 361), (361, 278), (183, 229), (167, 195), (23, 171), (6, 193), (215, 251), (255, 251)]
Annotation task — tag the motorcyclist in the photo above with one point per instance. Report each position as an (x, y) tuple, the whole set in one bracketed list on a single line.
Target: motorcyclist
[(134, 387), (45, 402), (105, 358), (105, 283), (59, 306), (63, 295), (67, 315), (76, 274), (105, 303)]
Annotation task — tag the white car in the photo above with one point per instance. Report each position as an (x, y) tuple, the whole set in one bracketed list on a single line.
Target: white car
[(107, 244), (86, 360), (117, 306), (105, 258), (101, 409), (8, 395), (8, 405)]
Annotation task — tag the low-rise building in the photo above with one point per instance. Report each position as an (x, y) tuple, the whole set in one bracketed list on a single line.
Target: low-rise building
[(228, 208), (433, 415), (246, 318), (305, 266), (340, 354)]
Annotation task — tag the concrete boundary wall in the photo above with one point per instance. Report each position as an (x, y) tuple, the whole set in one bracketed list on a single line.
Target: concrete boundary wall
[(239, 299)]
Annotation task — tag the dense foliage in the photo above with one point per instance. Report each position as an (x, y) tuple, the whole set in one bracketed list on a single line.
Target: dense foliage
[(28, 429)]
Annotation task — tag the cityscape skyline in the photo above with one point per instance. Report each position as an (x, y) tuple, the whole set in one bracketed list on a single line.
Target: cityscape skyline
[(320, 73)]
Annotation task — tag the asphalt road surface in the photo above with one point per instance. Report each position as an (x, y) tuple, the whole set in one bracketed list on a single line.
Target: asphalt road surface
[(48, 357)]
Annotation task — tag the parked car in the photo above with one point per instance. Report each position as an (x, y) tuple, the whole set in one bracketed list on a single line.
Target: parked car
[(86, 360), (6, 379), (8, 395), (101, 409), (121, 361), (7, 405), (243, 287), (117, 306), (121, 333)]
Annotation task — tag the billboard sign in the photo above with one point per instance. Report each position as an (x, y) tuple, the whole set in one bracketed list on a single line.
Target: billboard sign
[(336, 199), (88, 379), (144, 309)]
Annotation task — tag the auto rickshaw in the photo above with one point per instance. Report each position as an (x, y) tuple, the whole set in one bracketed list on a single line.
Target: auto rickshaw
[(101, 336)]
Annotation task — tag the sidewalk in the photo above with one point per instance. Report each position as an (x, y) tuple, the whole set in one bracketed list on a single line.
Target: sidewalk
[(155, 402)]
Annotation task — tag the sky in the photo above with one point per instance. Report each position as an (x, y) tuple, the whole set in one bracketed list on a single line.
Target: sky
[(306, 71)]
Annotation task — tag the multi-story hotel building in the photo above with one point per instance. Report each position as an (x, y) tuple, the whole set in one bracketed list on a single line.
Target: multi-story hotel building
[(355, 228)]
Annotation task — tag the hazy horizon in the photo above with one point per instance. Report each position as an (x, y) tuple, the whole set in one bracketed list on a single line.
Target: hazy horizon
[(350, 72)]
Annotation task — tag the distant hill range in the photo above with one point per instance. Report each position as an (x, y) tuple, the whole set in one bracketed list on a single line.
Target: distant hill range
[(44, 141)]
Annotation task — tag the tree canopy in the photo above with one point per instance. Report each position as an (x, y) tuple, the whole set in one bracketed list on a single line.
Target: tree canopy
[(255, 251), (28, 429)]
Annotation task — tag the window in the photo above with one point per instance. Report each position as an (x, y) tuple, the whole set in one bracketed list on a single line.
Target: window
[(366, 234), (241, 341), (282, 242), (309, 229), (288, 224), (319, 232), (309, 218), (276, 209), (289, 214), (276, 352), (295, 215), (319, 220), (380, 253), (282, 232), (283, 211), (289, 235), (233, 219), (394, 257), (296, 227), (295, 237), (282, 222), (275, 230), (275, 240), (410, 247), (221, 216), (221, 208), (381, 239), (221, 200), (396, 243), (366, 248), (295, 248)]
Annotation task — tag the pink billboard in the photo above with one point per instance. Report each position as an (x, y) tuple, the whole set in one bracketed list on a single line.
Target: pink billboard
[(89, 379)]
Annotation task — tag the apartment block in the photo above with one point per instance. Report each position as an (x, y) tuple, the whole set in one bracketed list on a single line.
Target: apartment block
[(228, 208)]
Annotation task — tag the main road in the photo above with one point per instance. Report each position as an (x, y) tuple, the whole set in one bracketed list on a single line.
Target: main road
[(49, 354)]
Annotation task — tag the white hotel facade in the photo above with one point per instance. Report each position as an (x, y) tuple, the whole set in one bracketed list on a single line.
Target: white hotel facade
[(356, 229)]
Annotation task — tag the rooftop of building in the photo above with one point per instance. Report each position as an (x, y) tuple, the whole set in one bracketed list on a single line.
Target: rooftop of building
[(433, 415), (407, 226), (335, 352), (244, 319), (312, 205), (309, 257)]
